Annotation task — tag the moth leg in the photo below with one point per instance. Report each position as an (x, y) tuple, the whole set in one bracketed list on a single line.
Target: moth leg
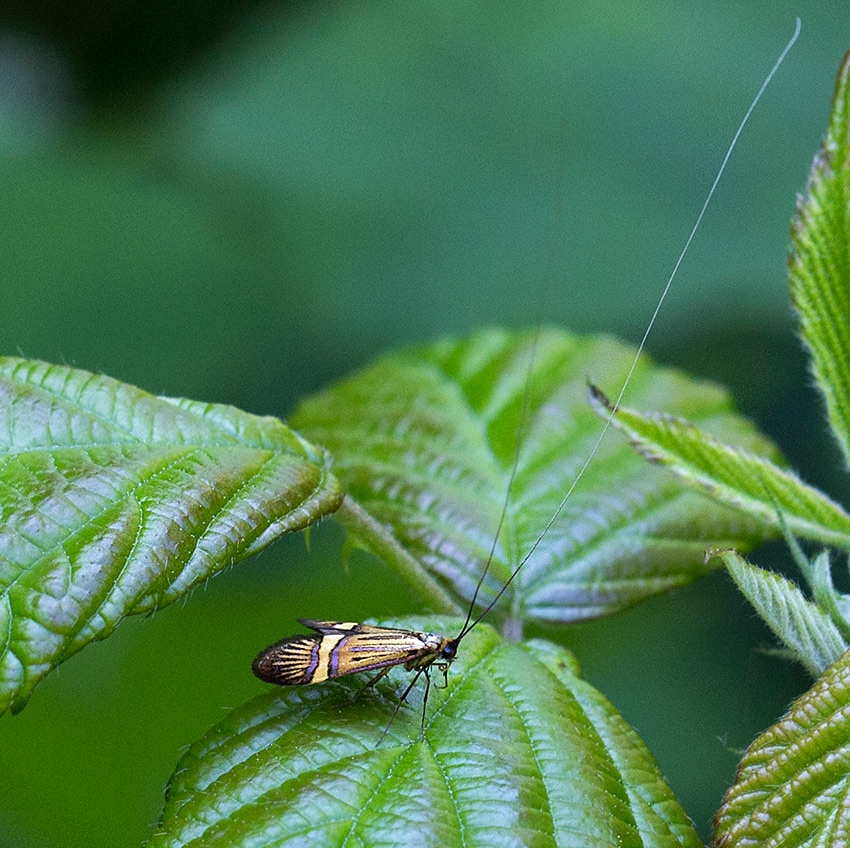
[(444, 667), (425, 704), (401, 700), (371, 682)]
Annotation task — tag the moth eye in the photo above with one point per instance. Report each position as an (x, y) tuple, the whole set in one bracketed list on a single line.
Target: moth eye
[(448, 653)]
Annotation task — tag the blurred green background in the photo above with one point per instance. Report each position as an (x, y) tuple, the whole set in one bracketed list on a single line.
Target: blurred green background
[(238, 201)]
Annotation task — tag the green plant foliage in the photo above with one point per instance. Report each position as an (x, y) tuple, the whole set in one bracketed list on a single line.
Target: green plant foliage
[(115, 502), (818, 574), (425, 441), (793, 785), (518, 750), (836, 604), (799, 623), (732, 474), (819, 263)]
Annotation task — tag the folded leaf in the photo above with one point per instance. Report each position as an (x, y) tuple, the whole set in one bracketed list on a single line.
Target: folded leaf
[(793, 784), (828, 599), (819, 263), (518, 751), (116, 502), (733, 474), (425, 440), (804, 628)]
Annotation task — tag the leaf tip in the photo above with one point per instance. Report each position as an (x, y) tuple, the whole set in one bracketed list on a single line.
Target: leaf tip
[(598, 399), (720, 553)]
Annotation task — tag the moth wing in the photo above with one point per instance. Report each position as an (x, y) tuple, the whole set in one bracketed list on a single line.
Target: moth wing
[(289, 662), (376, 647), (339, 648), (370, 628), (330, 628)]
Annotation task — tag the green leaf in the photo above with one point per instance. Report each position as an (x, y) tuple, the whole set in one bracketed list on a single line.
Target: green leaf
[(424, 440), (793, 784), (114, 502), (818, 574), (798, 623), (733, 474), (819, 263), (518, 751), (831, 601)]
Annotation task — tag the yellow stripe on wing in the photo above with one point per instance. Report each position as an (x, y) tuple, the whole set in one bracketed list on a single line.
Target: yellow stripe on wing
[(377, 648)]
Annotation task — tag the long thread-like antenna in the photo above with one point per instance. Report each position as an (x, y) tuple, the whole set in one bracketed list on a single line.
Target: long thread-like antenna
[(554, 247), (520, 438), (467, 626)]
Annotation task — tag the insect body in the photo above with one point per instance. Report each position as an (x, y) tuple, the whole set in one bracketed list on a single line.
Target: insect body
[(344, 647)]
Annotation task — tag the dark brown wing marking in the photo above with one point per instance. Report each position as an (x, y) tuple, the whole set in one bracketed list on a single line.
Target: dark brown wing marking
[(290, 661), (330, 627)]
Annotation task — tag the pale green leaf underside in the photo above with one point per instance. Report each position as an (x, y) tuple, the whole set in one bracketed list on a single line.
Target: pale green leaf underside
[(801, 626), (793, 784), (518, 751), (115, 502), (819, 264), (734, 475), (424, 441)]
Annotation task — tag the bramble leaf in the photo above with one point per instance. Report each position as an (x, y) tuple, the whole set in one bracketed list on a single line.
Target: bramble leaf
[(802, 627), (819, 264), (518, 750), (114, 502), (750, 481), (424, 440), (793, 784)]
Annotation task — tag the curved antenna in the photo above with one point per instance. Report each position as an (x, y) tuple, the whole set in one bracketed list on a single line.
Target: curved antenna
[(467, 627), (520, 437), (522, 426)]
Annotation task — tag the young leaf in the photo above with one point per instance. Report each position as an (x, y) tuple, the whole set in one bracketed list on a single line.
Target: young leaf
[(798, 623), (116, 502), (793, 784), (732, 474), (518, 750), (828, 599), (425, 440), (819, 263), (818, 574)]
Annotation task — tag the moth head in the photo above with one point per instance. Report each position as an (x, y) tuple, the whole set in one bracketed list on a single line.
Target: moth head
[(449, 650)]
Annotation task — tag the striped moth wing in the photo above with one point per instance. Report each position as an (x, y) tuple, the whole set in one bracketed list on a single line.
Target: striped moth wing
[(343, 647)]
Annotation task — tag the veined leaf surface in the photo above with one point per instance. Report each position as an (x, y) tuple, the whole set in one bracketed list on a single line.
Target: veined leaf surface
[(800, 624), (425, 440), (518, 751), (113, 502), (793, 784), (743, 478), (819, 264)]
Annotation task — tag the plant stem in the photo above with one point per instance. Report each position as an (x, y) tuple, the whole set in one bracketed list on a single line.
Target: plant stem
[(378, 540)]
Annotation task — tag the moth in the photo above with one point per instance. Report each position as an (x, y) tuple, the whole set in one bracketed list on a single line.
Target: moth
[(345, 647), (339, 648)]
